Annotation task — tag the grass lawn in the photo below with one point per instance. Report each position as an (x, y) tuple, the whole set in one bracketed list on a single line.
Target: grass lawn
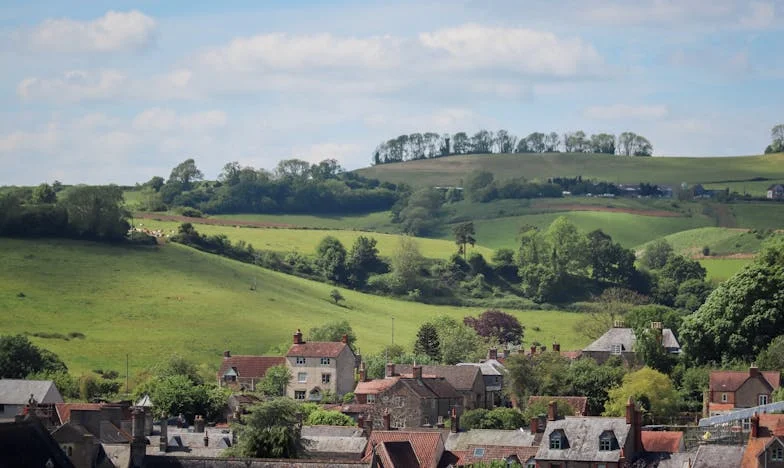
[(150, 302), (721, 269), (306, 240), (628, 229)]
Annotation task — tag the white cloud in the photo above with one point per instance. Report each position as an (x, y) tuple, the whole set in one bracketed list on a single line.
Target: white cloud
[(159, 119), (524, 50), (74, 85), (761, 16), (624, 111), (112, 32), (321, 151)]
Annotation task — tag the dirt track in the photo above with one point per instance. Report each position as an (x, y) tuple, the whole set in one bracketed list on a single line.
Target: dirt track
[(215, 221)]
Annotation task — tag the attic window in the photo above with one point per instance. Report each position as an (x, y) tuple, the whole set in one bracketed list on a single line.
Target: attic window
[(557, 440), (617, 349), (479, 452), (777, 453), (607, 441)]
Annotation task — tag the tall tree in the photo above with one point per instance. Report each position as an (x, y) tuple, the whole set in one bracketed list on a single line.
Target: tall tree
[(333, 331), (609, 261), (477, 185), (461, 144), (44, 193), (96, 212), (275, 381), (406, 263), (185, 174), (656, 254), (331, 259), (271, 430), (363, 260), (651, 389), (464, 235), (427, 342), (19, 357), (497, 325), (482, 142)]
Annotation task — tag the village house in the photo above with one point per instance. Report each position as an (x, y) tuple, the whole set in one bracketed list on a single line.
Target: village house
[(765, 447), (493, 376), (245, 372), (775, 192), (391, 449), (318, 367), (479, 446), (728, 390), (15, 394), (466, 380), (619, 341), (411, 400)]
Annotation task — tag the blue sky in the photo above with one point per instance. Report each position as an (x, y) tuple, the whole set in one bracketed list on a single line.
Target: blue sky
[(99, 92)]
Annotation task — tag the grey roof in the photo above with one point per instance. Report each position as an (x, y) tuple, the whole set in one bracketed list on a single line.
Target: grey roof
[(718, 456), (461, 378), (664, 460), (17, 391), (582, 435), (334, 439), (486, 367), (332, 431), (515, 438), (625, 337)]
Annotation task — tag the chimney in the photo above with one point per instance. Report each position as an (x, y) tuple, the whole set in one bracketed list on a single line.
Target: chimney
[(754, 370), (556, 347), (552, 411), (638, 430), (198, 423), (454, 420), (755, 425), (344, 339), (533, 350), (164, 442), (656, 325), (492, 353), (390, 372), (416, 372), (543, 349), (362, 372), (387, 418), (361, 421), (226, 354), (298, 337), (505, 352), (206, 439), (630, 411), (138, 443), (368, 426), (534, 425)]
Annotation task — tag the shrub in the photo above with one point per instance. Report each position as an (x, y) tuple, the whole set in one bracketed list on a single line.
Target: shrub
[(140, 238), (191, 212), (706, 251)]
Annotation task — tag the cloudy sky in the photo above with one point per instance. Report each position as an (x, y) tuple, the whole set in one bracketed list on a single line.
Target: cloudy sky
[(98, 91)]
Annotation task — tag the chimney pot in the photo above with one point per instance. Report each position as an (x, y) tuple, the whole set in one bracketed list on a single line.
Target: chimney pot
[(543, 348), (344, 339), (534, 425), (227, 354), (387, 417), (755, 425), (164, 442), (362, 372), (552, 411), (492, 353), (454, 420), (417, 372), (533, 350), (630, 411), (754, 371), (390, 372), (298, 337), (557, 347)]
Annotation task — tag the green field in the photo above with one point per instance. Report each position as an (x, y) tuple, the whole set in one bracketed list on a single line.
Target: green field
[(661, 170), (154, 301), (379, 221), (720, 241), (755, 188), (759, 215), (721, 269), (306, 240)]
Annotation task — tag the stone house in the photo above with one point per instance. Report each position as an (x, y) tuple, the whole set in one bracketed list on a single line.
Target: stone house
[(485, 446), (728, 390), (318, 367), (775, 192), (16, 393), (493, 376), (468, 381), (619, 341), (411, 400), (765, 447), (245, 372)]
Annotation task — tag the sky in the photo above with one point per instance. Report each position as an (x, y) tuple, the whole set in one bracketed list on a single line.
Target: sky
[(117, 92)]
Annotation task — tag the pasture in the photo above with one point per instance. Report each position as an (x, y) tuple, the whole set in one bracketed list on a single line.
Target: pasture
[(150, 302), (721, 269)]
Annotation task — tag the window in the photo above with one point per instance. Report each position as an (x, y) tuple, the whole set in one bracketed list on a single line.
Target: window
[(371, 398), (315, 395), (398, 422), (616, 349), (302, 377), (605, 444), (300, 361), (601, 465), (531, 463), (777, 453), (479, 452), (724, 398), (325, 378), (325, 361), (299, 395), (555, 440), (746, 425), (607, 441), (763, 399)]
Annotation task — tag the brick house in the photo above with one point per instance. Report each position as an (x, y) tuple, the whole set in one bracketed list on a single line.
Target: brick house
[(318, 367), (728, 390), (619, 341), (245, 372), (765, 447), (466, 380), (408, 400)]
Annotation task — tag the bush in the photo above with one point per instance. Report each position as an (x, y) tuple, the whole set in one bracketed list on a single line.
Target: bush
[(498, 418), (321, 417), (706, 251), (191, 212), (140, 238)]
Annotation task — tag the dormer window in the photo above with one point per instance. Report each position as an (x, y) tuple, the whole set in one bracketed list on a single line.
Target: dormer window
[(777, 453), (557, 440), (607, 441)]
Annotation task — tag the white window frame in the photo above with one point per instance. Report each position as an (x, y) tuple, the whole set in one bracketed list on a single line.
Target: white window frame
[(617, 349), (325, 361), (555, 442), (746, 425), (370, 398), (479, 452), (297, 394), (724, 398), (300, 360), (762, 397), (777, 453), (302, 377)]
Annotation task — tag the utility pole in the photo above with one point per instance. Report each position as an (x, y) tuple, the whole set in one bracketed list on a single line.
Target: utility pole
[(126, 373), (393, 331)]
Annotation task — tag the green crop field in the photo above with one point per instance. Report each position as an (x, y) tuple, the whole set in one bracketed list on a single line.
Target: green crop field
[(150, 302), (721, 269), (306, 240), (720, 241), (662, 170), (762, 215), (379, 221), (628, 229)]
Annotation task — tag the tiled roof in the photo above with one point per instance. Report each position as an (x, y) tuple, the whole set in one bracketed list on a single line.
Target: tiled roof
[(330, 349), (771, 424), (250, 366), (582, 435), (428, 446), (490, 367), (662, 441), (375, 386), (754, 447), (729, 381), (572, 354), (718, 456), (452, 458), (64, 409), (427, 387), (491, 453), (720, 407), (626, 338), (458, 441), (580, 404), (461, 377)]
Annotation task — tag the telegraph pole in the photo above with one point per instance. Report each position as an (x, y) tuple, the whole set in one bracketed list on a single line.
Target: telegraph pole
[(393, 331)]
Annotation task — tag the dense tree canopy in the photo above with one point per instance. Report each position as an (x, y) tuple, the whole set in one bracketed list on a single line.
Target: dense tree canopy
[(271, 430), (19, 357), (497, 325), (652, 390), (333, 331)]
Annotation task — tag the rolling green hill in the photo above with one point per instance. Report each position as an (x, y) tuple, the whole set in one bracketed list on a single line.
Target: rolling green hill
[(154, 301), (663, 170)]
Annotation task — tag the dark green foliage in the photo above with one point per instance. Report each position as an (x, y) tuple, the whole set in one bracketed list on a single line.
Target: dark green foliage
[(504, 264), (363, 260), (640, 317), (609, 261), (19, 357), (478, 186), (498, 418), (271, 430), (328, 418), (185, 174), (496, 325), (333, 331), (421, 212), (478, 264), (649, 350), (275, 381), (331, 259), (464, 235), (541, 406), (427, 341), (772, 357), (594, 381), (656, 254), (44, 194), (692, 294), (336, 296), (96, 212), (681, 269), (693, 384)]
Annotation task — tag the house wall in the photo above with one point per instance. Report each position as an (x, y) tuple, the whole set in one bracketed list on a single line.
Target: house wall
[(10, 411), (747, 395), (345, 371), (476, 397), (716, 397), (601, 357), (341, 370), (402, 404)]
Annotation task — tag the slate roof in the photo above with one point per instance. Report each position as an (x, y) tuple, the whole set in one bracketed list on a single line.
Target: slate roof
[(428, 446), (662, 441), (329, 349), (730, 381), (397, 455), (625, 337), (427, 387), (18, 391), (461, 377), (485, 367), (64, 409), (582, 435), (718, 456), (489, 437), (71, 433), (28, 443), (334, 439), (580, 404), (250, 366)]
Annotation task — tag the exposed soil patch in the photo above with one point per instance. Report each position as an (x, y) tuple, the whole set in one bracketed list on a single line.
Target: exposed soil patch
[(214, 221), (577, 207)]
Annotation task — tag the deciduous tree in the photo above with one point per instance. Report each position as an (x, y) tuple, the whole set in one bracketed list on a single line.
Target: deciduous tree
[(464, 235), (497, 325), (651, 389)]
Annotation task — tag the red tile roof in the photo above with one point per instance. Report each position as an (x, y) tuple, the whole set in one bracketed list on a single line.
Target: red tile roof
[(662, 441), (317, 349), (496, 452), (730, 381), (428, 446), (720, 407), (64, 409), (375, 386), (572, 354), (397, 454), (250, 366), (770, 425), (580, 404)]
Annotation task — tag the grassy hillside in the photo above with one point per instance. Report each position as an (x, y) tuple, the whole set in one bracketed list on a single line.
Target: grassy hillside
[(151, 302), (721, 269), (720, 241), (306, 240), (666, 170), (379, 221)]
